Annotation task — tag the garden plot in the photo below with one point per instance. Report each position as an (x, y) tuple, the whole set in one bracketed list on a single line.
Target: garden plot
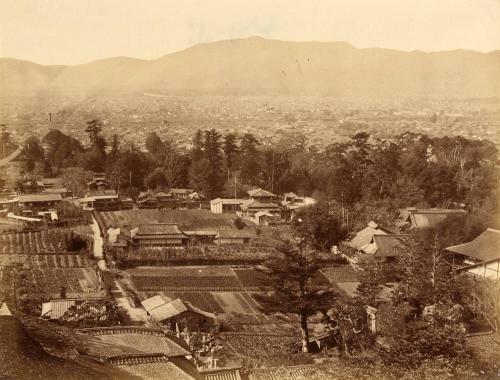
[(185, 279), (33, 242)]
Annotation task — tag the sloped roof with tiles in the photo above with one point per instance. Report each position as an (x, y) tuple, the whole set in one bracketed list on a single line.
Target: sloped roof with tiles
[(260, 193), (290, 373), (364, 237), (485, 247), (222, 374)]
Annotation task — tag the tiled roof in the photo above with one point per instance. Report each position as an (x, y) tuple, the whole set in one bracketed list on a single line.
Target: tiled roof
[(159, 229), (145, 343), (424, 218), (364, 237), (260, 193), (222, 374), (39, 198), (485, 247), (162, 370), (341, 273), (290, 373)]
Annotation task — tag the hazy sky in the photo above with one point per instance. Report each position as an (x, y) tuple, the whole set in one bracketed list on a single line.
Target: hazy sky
[(79, 31)]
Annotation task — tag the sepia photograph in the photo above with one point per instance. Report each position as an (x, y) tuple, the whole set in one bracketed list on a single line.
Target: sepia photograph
[(249, 189)]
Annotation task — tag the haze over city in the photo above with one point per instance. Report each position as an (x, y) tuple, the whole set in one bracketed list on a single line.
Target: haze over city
[(249, 190), (80, 31)]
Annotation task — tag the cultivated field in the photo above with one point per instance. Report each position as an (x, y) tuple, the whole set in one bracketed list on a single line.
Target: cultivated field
[(51, 240), (216, 289), (200, 255)]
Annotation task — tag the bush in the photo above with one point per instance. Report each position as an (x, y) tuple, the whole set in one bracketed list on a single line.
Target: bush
[(239, 223), (74, 243)]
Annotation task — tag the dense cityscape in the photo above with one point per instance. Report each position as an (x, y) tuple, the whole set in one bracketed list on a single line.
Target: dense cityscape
[(247, 208)]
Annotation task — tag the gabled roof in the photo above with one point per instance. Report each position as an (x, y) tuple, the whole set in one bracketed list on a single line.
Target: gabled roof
[(260, 193), (364, 237), (39, 198), (290, 195), (485, 247)]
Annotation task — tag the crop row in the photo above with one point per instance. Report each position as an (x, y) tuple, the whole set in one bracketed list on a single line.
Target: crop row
[(257, 347), (52, 240), (213, 283)]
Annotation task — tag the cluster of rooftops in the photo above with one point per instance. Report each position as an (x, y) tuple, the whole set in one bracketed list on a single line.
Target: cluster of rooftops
[(479, 256)]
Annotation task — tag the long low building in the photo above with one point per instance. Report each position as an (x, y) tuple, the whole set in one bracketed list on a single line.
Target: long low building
[(39, 201), (158, 235)]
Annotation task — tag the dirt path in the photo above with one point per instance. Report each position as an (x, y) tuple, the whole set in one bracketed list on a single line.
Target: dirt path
[(98, 244)]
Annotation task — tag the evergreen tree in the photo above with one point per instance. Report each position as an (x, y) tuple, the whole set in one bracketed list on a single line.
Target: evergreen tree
[(292, 273), (249, 162), (230, 150)]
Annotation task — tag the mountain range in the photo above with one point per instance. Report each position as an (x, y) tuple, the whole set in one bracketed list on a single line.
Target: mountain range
[(254, 65)]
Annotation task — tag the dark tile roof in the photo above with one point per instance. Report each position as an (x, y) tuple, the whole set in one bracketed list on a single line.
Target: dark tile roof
[(290, 373), (159, 229), (485, 247)]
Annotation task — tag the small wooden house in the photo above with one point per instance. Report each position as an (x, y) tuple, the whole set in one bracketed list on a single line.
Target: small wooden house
[(178, 314)]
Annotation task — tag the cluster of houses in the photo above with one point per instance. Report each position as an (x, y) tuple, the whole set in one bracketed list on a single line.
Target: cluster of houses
[(479, 258), (261, 206)]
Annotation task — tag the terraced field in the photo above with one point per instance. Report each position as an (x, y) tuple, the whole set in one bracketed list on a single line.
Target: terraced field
[(185, 279)]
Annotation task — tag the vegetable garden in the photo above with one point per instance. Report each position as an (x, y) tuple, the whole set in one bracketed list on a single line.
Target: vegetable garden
[(35, 242)]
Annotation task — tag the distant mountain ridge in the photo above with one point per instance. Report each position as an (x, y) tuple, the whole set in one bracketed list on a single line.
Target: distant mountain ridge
[(253, 66)]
